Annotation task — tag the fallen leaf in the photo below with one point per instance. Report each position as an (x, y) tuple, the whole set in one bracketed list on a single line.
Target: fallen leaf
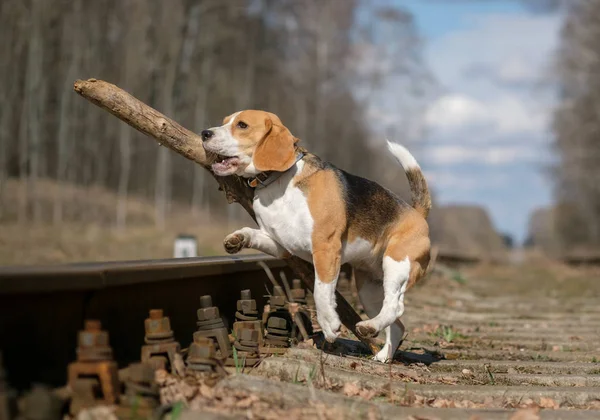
[(351, 389), (179, 365), (247, 402), (160, 376), (308, 344), (527, 414), (409, 398), (549, 403), (442, 403), (449, 380), (367, 394), (206, 391), (187, 391)]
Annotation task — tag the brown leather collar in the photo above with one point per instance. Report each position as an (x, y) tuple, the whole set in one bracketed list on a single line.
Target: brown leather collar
[(264, 179)]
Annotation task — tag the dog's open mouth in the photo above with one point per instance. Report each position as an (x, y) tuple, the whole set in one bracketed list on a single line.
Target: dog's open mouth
[(225, 164)]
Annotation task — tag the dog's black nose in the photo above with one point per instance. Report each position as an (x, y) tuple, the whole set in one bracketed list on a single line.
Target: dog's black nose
[(206, 134)]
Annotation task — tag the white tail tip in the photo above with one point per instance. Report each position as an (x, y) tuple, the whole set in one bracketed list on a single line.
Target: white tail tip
[(403, 156)]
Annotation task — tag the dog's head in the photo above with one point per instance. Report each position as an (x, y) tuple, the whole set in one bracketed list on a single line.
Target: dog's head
[(250, 142)]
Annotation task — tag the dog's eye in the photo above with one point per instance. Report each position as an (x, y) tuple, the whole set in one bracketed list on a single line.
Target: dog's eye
[(242, 124)]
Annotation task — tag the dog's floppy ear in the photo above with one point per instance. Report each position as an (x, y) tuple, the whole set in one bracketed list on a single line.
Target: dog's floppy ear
[(275, 152)]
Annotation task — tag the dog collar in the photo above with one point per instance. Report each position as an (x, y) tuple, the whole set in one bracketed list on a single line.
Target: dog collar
[(264, 179)]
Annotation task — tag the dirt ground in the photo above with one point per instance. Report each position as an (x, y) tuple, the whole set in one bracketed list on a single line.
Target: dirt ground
[(491, 342)]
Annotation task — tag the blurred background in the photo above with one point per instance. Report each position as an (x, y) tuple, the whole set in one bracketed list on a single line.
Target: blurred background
[(496, 99)]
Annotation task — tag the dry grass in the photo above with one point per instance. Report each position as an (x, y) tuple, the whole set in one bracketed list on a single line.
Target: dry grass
[(88, 234), (536, 276)]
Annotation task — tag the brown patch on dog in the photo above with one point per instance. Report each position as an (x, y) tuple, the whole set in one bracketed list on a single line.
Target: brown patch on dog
[(410, 238), (328, 210), (421, 199)]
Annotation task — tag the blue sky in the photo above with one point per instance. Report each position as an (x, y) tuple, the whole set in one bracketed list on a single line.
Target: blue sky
[(488, 130)]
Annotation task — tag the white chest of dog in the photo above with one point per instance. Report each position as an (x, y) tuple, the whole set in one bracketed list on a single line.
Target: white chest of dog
[(282, 212)]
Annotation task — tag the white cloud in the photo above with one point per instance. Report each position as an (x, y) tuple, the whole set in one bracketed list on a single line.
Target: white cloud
[(490, 155), (515, 47), (505, 115), (452, 181), (489, 70), (489, 130), (455, 111)]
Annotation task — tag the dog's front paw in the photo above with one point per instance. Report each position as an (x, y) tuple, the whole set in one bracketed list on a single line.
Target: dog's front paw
[(366, 329), (235, 242), (331, 326)]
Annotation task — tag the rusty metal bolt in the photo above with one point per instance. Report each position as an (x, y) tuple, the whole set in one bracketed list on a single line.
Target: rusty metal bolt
[(249, 335), (206, 301), (299, 294), (156, 313), (298, 291), (245, 305), (92, 325), (92, 335), (276, 301), (201, 348), (276, 322), (157, 323), (93, 342), (206, 314)]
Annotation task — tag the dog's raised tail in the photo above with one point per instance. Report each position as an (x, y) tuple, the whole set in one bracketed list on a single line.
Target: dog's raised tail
[(421, 199)]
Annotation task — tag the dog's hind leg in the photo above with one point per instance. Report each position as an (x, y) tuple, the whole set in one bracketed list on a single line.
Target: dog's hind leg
[(371, 297), (395, 280)]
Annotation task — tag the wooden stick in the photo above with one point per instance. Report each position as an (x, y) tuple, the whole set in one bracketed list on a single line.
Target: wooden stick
[(183, 141)]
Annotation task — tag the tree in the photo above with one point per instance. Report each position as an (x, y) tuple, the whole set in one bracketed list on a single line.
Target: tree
[(576, 126)]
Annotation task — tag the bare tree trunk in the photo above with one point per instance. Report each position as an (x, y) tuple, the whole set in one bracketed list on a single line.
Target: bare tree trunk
[(170, 134), (70, 43), (200, 110), (135, 37), (172, 15), (7, 48), (30, 122), (23, 207), (35, 101), (125, 135)]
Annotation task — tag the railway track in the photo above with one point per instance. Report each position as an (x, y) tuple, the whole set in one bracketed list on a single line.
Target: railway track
[(506, 340)]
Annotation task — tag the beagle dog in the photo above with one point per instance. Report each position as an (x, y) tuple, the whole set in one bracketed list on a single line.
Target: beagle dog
[(307, 207)]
